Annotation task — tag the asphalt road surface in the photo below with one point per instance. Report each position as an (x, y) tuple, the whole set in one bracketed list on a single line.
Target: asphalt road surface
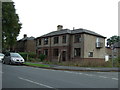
[(14, 76)]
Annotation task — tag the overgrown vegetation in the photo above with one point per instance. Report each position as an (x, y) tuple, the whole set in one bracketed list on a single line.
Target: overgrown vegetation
[(31, 57), (28, 56), (87, 63), (42, 57)]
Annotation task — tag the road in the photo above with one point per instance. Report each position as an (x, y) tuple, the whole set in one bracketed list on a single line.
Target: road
[(14, 76)]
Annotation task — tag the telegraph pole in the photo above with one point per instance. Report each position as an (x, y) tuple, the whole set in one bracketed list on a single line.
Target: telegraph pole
[(112, 47), (0, 26)]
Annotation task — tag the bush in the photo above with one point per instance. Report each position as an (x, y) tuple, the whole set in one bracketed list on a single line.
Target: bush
[(31, 56), (42, 57), (24, 55), (116, 62)]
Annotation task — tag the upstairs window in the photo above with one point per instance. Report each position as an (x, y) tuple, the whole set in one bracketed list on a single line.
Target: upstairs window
[(77, 52), (77, 38), (45, 41), (55, 52), (56, 40), (39, 41), (64, 39)]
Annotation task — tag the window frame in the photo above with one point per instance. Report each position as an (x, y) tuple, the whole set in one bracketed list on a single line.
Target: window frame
[(64, 39), (45, 52), (46, 41), (77, 38), (56, 52), (77, 52), (56, 40), (39, 41), (90, 54)]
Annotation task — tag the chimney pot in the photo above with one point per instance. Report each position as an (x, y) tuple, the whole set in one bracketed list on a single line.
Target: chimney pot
[(59, 27), (25, 35)]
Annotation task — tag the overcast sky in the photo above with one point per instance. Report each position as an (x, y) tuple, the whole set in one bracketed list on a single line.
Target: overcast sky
[(40, 17)]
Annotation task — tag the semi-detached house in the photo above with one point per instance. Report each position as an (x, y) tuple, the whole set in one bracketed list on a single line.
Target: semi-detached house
[(71, 45)]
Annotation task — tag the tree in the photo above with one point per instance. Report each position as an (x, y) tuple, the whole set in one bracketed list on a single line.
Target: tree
[(10, 25), (113, 40)]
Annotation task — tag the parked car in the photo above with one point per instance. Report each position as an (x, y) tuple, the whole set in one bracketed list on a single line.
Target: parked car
[(1, 56), (13, 58)]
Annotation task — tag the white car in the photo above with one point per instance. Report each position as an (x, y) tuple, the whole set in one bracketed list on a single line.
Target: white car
[(1, 56), (13, 58)]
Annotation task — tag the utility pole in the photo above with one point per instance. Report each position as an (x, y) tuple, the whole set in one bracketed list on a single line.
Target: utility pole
[(0, 26), (0, 42), (112, 48)]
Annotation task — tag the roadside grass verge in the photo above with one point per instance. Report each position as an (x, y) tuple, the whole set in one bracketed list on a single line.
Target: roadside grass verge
[(86, 63), (82, 63), (36, 65)]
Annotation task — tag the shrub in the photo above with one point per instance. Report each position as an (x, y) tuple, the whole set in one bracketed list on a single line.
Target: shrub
[(116, 62), (24, 55), (42, 57), (30, 56)]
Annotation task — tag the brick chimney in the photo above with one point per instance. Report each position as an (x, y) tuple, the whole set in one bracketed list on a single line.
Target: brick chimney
[(25, 35), (59, 27)]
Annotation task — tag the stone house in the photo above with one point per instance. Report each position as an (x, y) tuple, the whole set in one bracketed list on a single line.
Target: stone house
[(71, 45), (26, 44)]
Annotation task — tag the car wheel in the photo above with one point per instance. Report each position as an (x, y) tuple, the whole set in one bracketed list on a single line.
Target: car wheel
[(3, 61), (10, 62)]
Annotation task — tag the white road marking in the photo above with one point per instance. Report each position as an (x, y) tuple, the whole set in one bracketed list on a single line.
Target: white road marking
[(115, 78), (100, 72), (53, 70), (35, 82), (103, 77), (80, 73), (89, 68), (89, 74), (69, 72)]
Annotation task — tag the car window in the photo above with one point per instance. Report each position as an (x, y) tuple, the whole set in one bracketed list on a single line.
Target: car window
[(1, 54), (14, 55)]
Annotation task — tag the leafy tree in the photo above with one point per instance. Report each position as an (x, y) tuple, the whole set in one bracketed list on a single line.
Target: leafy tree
[(10, 25), (113, 40)]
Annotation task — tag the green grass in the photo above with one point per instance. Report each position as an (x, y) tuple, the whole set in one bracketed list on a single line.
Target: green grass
[(35, 64)]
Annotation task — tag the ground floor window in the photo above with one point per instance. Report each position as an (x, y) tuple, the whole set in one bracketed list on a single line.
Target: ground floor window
[(90, 54), (77, 52), (55, 52), (46, 52)]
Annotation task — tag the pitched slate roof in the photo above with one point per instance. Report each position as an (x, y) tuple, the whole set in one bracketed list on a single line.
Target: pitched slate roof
[(67, 31), (86, 31), (63, 31)]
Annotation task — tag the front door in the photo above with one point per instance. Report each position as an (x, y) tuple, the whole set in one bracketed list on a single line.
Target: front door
[(64, 56)]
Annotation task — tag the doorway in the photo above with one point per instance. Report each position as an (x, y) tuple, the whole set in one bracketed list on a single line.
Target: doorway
[(63, 55)]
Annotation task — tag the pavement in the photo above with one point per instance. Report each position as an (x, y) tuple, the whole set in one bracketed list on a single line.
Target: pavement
[(73, 68)]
